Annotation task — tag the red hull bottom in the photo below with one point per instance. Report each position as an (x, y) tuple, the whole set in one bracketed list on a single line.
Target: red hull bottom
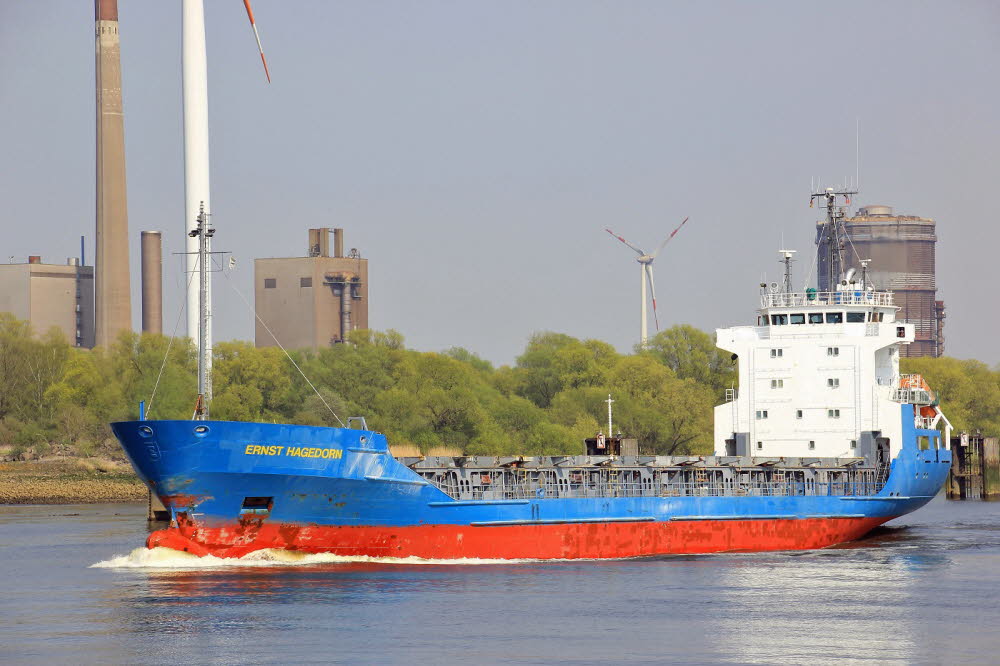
[(560, 541)]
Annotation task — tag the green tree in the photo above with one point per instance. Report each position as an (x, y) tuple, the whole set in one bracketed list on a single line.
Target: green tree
[(692, 354), (968, 390)]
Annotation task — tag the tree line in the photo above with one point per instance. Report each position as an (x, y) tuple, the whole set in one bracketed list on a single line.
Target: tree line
[(55, 398)]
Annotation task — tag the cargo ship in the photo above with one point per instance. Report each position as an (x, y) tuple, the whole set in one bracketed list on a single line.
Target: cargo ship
[(822, 441)]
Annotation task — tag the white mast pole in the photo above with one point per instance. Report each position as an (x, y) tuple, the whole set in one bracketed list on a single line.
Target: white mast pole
[(196, 183), (609, 401)]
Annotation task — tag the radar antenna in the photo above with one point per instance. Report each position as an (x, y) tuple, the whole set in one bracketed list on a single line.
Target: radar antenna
[(786, 259), (832, 236)]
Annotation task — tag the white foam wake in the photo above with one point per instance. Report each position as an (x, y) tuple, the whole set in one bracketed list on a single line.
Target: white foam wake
[(168, 558)]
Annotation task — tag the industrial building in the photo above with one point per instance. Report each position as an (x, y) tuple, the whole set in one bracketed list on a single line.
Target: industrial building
[(51, 295), (901, 253), (311, 301)]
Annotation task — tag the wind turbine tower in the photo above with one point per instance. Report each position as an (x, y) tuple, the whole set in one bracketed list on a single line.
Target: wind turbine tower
[(645, 260), (197, 198)]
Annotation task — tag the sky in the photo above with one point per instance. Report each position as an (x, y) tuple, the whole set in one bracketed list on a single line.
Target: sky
[(474, 152)]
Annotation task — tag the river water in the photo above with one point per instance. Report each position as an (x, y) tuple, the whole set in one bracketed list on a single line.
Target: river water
[(924, 589)]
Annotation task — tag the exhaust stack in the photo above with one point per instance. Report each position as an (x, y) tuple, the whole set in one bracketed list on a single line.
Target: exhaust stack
[(112, 298), (152, 282)]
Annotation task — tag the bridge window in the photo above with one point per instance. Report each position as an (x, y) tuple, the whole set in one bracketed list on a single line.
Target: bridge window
[(779, 320), (923, 442), (815, 317), (797, 318), (855, 317), (834, 317), (900, 331)]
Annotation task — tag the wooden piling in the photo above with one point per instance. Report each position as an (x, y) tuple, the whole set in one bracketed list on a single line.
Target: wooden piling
[(991, 468)]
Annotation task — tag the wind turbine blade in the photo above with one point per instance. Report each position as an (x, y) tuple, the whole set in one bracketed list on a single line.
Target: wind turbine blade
[(624, 241), (253, 24), (672, 234), (652, 291)]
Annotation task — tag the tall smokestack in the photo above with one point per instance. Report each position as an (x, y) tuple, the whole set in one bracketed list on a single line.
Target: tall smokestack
[(112, 297), (152, 282)]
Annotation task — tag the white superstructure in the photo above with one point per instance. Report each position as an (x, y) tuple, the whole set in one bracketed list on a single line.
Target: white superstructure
[(818, 374)]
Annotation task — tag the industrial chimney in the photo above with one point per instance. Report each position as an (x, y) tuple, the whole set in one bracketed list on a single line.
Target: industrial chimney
[(112, 297), (152, 282)]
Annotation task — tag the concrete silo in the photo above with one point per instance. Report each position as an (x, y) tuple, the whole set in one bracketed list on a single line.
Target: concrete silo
[(901, 250)]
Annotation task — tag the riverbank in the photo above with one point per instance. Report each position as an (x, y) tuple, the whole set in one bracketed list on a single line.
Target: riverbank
[(69, 481)]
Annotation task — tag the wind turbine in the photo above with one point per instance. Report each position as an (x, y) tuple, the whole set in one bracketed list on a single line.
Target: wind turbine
[(645, 260), (194, 66)]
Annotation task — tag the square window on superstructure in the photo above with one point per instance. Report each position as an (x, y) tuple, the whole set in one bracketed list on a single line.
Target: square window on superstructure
[(833, 351), (854, 444), (798, 413), (777, 383), (812, 445), (269, 283), (834, 317), (761, 413), (815, 317), (797, 318), (305, 282), (760, 445), (833, 382), (777, 353), (833, 413)]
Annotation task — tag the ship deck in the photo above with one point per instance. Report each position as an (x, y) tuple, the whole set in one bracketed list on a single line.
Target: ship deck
[(471, 478)]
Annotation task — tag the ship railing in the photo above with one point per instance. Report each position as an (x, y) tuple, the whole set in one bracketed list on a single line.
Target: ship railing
[(815, 298), (912, 396), (864, 484)]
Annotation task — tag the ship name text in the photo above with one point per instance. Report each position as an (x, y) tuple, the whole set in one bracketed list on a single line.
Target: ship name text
[(293, 451)]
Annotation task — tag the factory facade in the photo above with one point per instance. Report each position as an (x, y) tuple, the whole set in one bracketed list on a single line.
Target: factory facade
[(901, 253), (51, 295), (312, 301)]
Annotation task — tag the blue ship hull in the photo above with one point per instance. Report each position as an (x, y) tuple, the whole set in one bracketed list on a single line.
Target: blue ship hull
[(232, 488)]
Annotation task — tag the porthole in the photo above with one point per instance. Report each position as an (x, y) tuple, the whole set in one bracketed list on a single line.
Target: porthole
[(363, 439), (145, 431), (201, 430)]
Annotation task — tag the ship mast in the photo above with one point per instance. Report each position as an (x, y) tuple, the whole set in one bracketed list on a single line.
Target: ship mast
[(833, 233), (203, 232)]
